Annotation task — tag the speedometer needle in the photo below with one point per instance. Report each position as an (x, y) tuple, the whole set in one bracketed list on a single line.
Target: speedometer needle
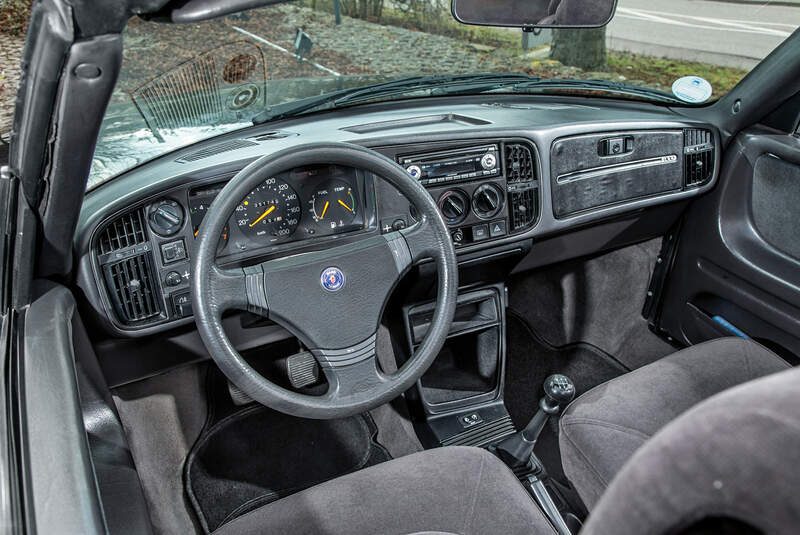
[(262, 216), (343, 204)]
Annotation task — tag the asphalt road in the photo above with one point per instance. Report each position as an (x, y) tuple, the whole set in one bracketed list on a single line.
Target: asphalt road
[(724, 33)]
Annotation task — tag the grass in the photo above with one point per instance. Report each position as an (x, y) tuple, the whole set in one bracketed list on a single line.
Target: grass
[(662, 71)]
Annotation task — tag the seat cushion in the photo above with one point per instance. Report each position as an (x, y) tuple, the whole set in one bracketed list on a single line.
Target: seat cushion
[(730, 461), (447, 490), (602, 429)]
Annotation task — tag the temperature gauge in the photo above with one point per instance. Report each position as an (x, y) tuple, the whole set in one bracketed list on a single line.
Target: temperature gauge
[(333, 204)]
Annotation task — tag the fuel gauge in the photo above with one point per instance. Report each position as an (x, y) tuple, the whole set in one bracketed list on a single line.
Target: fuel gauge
[(333, 204)]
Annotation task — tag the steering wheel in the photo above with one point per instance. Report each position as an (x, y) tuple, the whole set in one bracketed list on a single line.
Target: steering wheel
[(332, 300)]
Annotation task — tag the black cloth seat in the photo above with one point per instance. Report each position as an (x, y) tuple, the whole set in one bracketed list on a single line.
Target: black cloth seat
[(452, 490), (604, 427)]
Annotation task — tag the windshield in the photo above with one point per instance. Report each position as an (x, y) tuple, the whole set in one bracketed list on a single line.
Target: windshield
[(181, 83)]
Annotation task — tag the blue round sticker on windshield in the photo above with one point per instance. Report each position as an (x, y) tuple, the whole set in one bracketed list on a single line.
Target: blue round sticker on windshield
[(692, 89)]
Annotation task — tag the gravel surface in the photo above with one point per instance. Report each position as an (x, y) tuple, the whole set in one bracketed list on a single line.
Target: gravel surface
[(10, 54)]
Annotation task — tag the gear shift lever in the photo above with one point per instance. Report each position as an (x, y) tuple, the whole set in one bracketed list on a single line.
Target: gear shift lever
[(516, 450)]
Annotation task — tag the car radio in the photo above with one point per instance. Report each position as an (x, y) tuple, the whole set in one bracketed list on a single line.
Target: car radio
[(453, 165)]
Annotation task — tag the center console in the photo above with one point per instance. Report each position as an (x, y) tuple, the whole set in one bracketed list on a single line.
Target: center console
[(485, 190), (461, 394)]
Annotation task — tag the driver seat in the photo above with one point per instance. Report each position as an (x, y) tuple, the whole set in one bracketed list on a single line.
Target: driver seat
[(729, 463), (453, 490)]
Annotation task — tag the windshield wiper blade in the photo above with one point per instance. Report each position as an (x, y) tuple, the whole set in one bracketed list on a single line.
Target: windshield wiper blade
[(391, 88), (454, 84), (609, 86)]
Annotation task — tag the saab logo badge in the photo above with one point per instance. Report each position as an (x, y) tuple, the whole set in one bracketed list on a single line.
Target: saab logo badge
[(332, 279)]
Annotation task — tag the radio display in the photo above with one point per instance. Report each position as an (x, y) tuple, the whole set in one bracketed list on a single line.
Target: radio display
[(448, 166)]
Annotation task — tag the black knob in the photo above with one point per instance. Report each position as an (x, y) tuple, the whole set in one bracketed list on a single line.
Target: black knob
[(454, 206), (166, 217), (487, 201), (559, 389), (398, 224), (458, 236), (173, 278)]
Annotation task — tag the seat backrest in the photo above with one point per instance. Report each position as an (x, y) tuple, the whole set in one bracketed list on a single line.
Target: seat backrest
[(733, 460)]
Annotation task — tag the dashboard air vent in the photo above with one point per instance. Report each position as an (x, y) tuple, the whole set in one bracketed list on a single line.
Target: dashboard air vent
[(698, 156), (132, 288), (216, 149), (523, 206), (519, 163), (523, 188), (125, 231), (269, 136)]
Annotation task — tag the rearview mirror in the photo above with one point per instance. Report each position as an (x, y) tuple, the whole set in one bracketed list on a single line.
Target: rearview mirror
[(535, 13)]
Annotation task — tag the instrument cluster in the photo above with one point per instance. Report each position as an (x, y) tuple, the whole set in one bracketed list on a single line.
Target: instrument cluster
[(298, 205)]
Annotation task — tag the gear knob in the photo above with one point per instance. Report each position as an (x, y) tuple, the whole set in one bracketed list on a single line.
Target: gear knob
[(559, 389)]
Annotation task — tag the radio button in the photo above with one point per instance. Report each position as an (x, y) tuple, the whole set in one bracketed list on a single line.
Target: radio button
[(488, 161)]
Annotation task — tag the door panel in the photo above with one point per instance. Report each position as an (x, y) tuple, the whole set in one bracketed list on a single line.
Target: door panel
[(776, 203), (82, 476), (738, 254)]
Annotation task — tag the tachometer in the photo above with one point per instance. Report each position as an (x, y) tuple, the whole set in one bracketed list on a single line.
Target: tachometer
[(333, 204), (269, 212)]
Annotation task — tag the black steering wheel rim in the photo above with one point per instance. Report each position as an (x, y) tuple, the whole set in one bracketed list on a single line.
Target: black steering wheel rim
[(374, 266)]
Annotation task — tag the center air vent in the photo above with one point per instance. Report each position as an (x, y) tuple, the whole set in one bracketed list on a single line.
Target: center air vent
[(698, 156), (125, 231), (275, 134), (523, 187), (132, 289), (519, 163)]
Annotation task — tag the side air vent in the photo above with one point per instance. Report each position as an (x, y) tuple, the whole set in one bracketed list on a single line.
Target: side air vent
[(125, 231), (216, 149), (523, 186), (698, 156), (132, 289)]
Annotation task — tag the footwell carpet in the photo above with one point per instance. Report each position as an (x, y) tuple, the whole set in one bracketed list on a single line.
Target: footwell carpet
[(251, 456)]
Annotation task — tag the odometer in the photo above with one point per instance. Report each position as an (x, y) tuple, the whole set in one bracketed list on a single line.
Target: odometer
[(270, 212)]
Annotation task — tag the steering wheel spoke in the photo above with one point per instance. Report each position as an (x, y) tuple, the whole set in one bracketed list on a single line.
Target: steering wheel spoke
[(351, 372), (423, 239), (237, 289), (353, 383)]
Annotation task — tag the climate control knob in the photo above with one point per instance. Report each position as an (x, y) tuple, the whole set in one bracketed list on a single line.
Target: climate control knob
[(454, 206), (487, 201)]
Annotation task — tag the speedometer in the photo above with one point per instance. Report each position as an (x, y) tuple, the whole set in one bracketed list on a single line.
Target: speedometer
[(269, 212)]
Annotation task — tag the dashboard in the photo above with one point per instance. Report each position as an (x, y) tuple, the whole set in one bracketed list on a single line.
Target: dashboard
[(501, 173)]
